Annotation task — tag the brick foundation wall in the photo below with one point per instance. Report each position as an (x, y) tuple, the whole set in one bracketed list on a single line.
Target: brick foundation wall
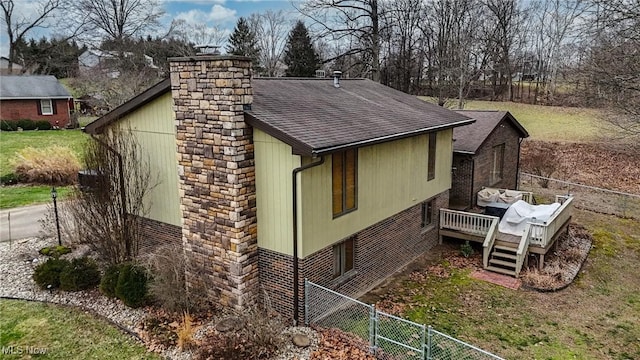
[(28, 109), (217, 174), (156, 234), (380, 250)]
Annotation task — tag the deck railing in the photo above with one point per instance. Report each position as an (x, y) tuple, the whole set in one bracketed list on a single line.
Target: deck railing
[(540, 234), (470, 223), (489, 240), (523, 248)]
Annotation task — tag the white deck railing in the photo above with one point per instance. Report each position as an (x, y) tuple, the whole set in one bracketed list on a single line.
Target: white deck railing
[(541, 234), (523, 248), (489, 241), (470, 223)]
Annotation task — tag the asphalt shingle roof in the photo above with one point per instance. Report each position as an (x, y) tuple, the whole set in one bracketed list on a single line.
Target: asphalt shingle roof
[(315, 117), (32, 87), (469, 138)]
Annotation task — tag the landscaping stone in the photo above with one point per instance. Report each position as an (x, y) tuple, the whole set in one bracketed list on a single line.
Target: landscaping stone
[(301, 340), (227, 324)]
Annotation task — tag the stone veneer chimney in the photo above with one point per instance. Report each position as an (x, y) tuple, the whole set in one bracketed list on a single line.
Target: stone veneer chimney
[(217, 175)]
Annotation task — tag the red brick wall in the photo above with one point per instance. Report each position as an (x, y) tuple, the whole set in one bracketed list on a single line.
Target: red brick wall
[(28, 109), (461, 181), (380, 250), (156, 233)]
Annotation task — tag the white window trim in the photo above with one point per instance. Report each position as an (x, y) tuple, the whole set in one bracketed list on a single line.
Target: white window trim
[(42, 102)]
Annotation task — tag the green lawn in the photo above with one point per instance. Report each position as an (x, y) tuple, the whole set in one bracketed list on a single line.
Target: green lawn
[(552, 123), (13, 141), (61, 333)]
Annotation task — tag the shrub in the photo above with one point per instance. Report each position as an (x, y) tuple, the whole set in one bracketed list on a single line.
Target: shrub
[(43, 125), (26, 124), (47, 274), (466, 249), (185, 331), (9, 179), (168, 287), (110, 280), (6, 125), (56, 165), (82, 273), (132, 285), (54, 251)]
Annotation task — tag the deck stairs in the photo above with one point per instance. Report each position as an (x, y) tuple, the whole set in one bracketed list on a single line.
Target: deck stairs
[(503, 260)]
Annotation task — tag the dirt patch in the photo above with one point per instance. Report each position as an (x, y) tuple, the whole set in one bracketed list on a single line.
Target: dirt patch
[(561, 265)]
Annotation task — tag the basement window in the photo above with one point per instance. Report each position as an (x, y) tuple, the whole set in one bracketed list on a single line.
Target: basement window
[(46, 107), (427, 213), (343, 255)]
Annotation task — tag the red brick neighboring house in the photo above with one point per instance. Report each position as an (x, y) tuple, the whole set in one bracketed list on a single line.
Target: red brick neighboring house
[(485, 154), (34, 97)]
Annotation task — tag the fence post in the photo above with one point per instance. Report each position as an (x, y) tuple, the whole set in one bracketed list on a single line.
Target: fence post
[(306, 301), (373, 327), (422, 341), (429, 343)]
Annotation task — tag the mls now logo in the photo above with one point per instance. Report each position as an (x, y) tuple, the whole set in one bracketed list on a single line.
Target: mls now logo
[(19, 350)]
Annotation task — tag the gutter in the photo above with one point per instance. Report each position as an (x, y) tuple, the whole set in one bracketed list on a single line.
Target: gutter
[(296, 276)]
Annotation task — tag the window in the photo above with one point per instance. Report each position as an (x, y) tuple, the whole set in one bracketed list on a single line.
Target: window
[(431, 166), (344, 181), (342, 258), (46, 107), (497, 170), (427, 213)]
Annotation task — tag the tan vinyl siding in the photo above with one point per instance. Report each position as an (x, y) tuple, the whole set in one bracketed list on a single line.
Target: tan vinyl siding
[(154, 128), (391, 177), (274, 164)]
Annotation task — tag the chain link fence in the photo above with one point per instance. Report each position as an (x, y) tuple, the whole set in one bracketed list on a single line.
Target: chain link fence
[(585, 197), (389, 336)]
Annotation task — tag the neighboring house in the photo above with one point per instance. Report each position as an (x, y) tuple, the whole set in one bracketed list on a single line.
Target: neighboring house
[(4, 67), (34, 97), (485, 154), (281, 179), (105, 61)]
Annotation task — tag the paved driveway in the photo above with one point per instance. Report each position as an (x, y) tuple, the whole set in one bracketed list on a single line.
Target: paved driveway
[(24, 222)]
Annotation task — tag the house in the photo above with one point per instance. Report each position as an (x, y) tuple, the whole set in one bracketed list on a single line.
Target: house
[(485, 154), (4, 67), (34, 97), (268, 181), (95, 61)]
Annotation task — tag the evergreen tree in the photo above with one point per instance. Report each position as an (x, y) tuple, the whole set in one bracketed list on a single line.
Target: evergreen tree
[(243, 41), (301, 58)]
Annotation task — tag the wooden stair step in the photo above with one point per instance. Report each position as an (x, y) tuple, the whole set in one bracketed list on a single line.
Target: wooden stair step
[(504, 255), (501, 270), (503, 263), (506, 248)]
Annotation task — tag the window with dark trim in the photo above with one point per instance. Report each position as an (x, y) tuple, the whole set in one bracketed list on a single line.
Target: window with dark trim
[(431, 157), (427, 213), (343, 255), (497, 168), (46, 107), (344, 181)]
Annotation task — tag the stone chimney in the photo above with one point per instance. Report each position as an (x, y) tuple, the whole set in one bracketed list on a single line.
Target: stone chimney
[(217, 175)]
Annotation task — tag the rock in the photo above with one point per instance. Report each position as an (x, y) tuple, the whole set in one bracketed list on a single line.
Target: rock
[(227, 324), (301, 340)]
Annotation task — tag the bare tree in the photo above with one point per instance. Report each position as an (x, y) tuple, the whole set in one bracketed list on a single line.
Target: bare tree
[(106, 215), (121, 19), (19, 25), (271, 28)]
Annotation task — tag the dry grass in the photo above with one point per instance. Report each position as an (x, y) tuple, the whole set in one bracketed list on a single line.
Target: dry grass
[(55, 165), (186, 331)]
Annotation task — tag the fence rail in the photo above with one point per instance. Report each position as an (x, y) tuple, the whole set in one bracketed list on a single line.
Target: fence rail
[(389, 336), (586, 197)]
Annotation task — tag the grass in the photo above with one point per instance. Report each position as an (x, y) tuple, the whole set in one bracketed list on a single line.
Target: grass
[(552, 123), (597, 317), (13, 141), (54, 332)]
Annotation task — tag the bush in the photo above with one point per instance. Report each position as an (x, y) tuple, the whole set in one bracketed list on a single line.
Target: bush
[(110, 280), (6, 125), (466, 249), (81, 274), (56, 165), (9, 179), (168, 287), (47, 274), (54, 251), (132, 285), (26, 124), (43, 125)]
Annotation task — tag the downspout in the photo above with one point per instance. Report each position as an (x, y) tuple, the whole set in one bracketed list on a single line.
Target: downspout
[(518, 164), (123, 195), (294, 175)]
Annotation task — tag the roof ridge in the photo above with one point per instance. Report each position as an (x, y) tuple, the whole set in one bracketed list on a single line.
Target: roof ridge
[(483, 110), (301, 78)]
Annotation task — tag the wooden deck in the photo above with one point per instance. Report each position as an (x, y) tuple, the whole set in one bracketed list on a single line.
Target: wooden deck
[(507, 253)]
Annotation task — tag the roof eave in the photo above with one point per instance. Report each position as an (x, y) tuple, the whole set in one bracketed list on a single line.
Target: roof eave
[(97, 126), (56, 97)]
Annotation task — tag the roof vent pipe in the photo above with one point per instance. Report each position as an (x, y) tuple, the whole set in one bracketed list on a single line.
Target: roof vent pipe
[(336, 78)]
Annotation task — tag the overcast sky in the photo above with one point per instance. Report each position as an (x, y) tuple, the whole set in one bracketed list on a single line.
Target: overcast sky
[(221, 13)]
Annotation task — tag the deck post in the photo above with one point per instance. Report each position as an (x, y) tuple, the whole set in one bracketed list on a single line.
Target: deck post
[(541, 262)]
